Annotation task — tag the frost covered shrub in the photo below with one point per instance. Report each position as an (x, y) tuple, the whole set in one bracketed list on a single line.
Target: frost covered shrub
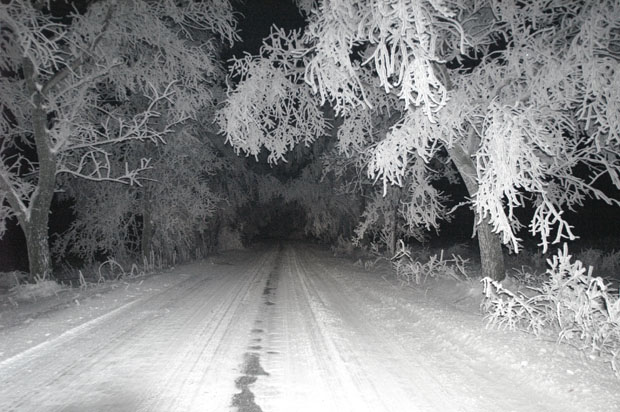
[(458, 249), (409, 269), (343, 247), (529, 266), (42, 288), (229, 238), (572, 304), (610, 263), (11, 279), (607, 264)]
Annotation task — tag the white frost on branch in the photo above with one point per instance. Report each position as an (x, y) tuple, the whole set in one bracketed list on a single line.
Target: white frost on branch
[(306, 6), (508, 165), (402, 36), (270, 107), (332, 33), (78, 92), (538, 100), (529, 115), (176, 196), (414, 137)]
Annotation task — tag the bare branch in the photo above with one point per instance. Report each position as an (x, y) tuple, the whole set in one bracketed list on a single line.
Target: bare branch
[(96, 166)]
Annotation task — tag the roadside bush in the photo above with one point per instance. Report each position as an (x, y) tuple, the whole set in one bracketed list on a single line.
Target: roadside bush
[(95, 273), (343, 247), (529, 266), (11, 279), (571, 304), (606, 264), (42, 288), (410, 269), (229, 239)]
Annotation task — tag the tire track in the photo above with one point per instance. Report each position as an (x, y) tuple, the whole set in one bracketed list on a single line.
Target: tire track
[(169, 352), (40, 369), (434, 365), (382, 377), (285, 329), (329, 354)]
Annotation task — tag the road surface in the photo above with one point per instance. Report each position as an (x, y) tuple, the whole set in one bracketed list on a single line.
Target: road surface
[(277, 328)]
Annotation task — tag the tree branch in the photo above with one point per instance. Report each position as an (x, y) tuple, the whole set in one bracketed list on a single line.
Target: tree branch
[(96, 166), (17, 205), (77, 62)]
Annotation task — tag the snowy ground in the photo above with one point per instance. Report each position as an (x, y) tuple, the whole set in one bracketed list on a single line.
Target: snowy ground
[(282, 328)]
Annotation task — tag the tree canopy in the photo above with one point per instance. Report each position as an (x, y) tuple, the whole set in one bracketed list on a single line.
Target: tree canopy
[(75, 91), (518, 100), (520, 95)]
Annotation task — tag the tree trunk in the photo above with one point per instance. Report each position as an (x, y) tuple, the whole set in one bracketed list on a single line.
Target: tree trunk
[(39, 260), (147, 224), (491, 253), (396, 195), (35, 225)]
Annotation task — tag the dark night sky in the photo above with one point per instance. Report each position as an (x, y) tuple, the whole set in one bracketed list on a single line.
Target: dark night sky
[(256, 19)]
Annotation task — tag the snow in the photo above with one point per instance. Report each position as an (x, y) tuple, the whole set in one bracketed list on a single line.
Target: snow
[(284, 328)]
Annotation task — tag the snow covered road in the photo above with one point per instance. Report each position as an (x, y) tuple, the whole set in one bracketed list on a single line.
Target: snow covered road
[(283, 328)]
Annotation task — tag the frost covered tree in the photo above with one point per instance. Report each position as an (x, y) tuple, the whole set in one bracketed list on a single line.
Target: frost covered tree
[(519, 94), (74, 91), (519, 124), (270, 106), (166, 216), (413, 206), (329, 210), (271, 110)]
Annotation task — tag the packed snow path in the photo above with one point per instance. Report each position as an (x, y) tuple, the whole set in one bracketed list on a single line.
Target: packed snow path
[(280, 328)]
